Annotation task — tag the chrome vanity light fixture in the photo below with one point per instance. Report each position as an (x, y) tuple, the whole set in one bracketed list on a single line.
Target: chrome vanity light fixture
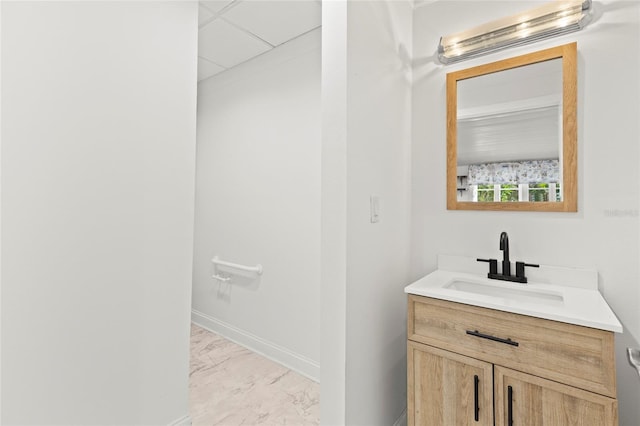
[(550, 20)]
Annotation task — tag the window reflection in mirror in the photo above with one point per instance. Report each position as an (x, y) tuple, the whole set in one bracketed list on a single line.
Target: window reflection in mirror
[(508, 123)]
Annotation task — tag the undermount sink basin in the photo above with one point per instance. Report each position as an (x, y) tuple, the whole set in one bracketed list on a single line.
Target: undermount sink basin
[(509, 293)]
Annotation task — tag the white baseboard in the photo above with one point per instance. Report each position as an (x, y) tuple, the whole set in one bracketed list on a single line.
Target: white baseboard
[(284, 356), (182, 421), (402, 420)]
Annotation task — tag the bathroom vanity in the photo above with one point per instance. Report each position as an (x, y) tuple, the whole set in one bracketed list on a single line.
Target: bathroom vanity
[(482, 352)]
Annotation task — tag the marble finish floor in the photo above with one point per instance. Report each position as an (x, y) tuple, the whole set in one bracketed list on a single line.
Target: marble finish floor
[(230, 385)]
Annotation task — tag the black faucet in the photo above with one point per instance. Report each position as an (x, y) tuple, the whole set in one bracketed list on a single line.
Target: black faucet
[(504, 246), (506, 264)]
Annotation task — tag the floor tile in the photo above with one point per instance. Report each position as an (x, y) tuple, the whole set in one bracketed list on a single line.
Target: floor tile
[(230, 385)]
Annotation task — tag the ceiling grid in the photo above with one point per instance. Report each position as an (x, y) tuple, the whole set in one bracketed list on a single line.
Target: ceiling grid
[(234, 31)]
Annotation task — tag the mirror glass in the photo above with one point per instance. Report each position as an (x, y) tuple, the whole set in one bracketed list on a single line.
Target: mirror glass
[(509, 130)]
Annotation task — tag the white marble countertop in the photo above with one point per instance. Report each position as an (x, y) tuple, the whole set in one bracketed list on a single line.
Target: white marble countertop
[(564, 303)]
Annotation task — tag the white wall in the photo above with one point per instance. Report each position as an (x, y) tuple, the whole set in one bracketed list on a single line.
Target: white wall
[(334, 214), (98, 158), (258, 201), (0, 213), (370, 147), (604, 233)]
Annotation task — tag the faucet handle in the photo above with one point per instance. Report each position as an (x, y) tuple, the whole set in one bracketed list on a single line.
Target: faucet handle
[(493, 265), (520, 269)]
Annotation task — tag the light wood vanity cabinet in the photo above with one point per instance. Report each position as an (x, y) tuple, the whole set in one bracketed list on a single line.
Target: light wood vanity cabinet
[(448, 389), (537, 401), (475, 366)]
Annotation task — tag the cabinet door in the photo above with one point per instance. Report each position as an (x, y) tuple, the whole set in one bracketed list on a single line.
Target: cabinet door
[(526, 400), (448, 389)]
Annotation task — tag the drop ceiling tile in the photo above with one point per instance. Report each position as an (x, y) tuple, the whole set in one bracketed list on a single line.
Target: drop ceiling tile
[(276, 21), (226, 45), (204, 15), (216, 5), (206, 69)]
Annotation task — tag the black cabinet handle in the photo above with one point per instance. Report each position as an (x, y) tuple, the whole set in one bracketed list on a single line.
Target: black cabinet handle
[(476, 405), (509, 406), (495, 339)]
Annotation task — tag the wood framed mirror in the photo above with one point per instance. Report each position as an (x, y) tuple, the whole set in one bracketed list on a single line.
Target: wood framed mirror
[(512, 134)]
